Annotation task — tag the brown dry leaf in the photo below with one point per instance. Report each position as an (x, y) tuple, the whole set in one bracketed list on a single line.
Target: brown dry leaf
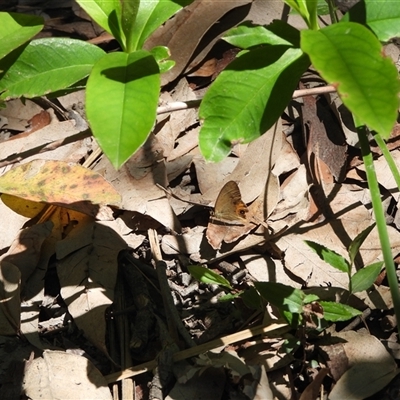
[(16, 114), (212, 174), (265, 269), (60, 375), (187, 243), (60, 137), (293, 206), (39, 121), (206, 69), (87, 269), (58, 183), (288, 159), (266, 352), (371, 367), (183, 33), (326, 148), (178, 166), (186, 143)]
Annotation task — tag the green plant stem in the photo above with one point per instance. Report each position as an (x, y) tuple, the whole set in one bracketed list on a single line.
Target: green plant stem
[(388, 157), (332, 13), (380, 221)]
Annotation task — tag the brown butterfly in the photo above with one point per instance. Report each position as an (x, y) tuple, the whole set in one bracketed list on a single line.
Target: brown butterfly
[(229, 205)]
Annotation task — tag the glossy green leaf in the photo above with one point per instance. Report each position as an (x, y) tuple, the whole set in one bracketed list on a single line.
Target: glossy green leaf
[(382, 16), (129, 12), (47, 65), (329, 256), (151, 15), (307, 9), (208, 276), (248, 97), (121, 102), (161, 55), (309, 298), (107, 13), (247, 35), (17, 29), (364, 278), (282, 296), (350, 57), (358, 241), (338, 312)]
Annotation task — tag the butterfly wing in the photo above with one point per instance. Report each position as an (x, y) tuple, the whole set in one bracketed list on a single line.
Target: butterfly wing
[(229, 205)]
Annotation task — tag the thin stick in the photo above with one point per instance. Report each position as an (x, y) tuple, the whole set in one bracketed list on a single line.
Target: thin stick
[(194, 351), (184, 105)]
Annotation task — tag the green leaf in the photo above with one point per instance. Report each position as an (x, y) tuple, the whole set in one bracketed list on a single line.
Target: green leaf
[(309, 298), (329, 256), (248, 97), (282, 296), (229, 296), (364, 278), (151, 15), (107, 13), (382, 16), (358, 241), (251, 298), (121, 102), (47, 65), (208, 276), (307, 9), (17, 29), (130, 9), (338, 312), (247, 35), (161, 54), (350, 57)]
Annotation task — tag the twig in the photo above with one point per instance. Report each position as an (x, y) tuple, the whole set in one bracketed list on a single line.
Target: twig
[(313, 91), (178, 105), (194, 351), (184, 105)]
